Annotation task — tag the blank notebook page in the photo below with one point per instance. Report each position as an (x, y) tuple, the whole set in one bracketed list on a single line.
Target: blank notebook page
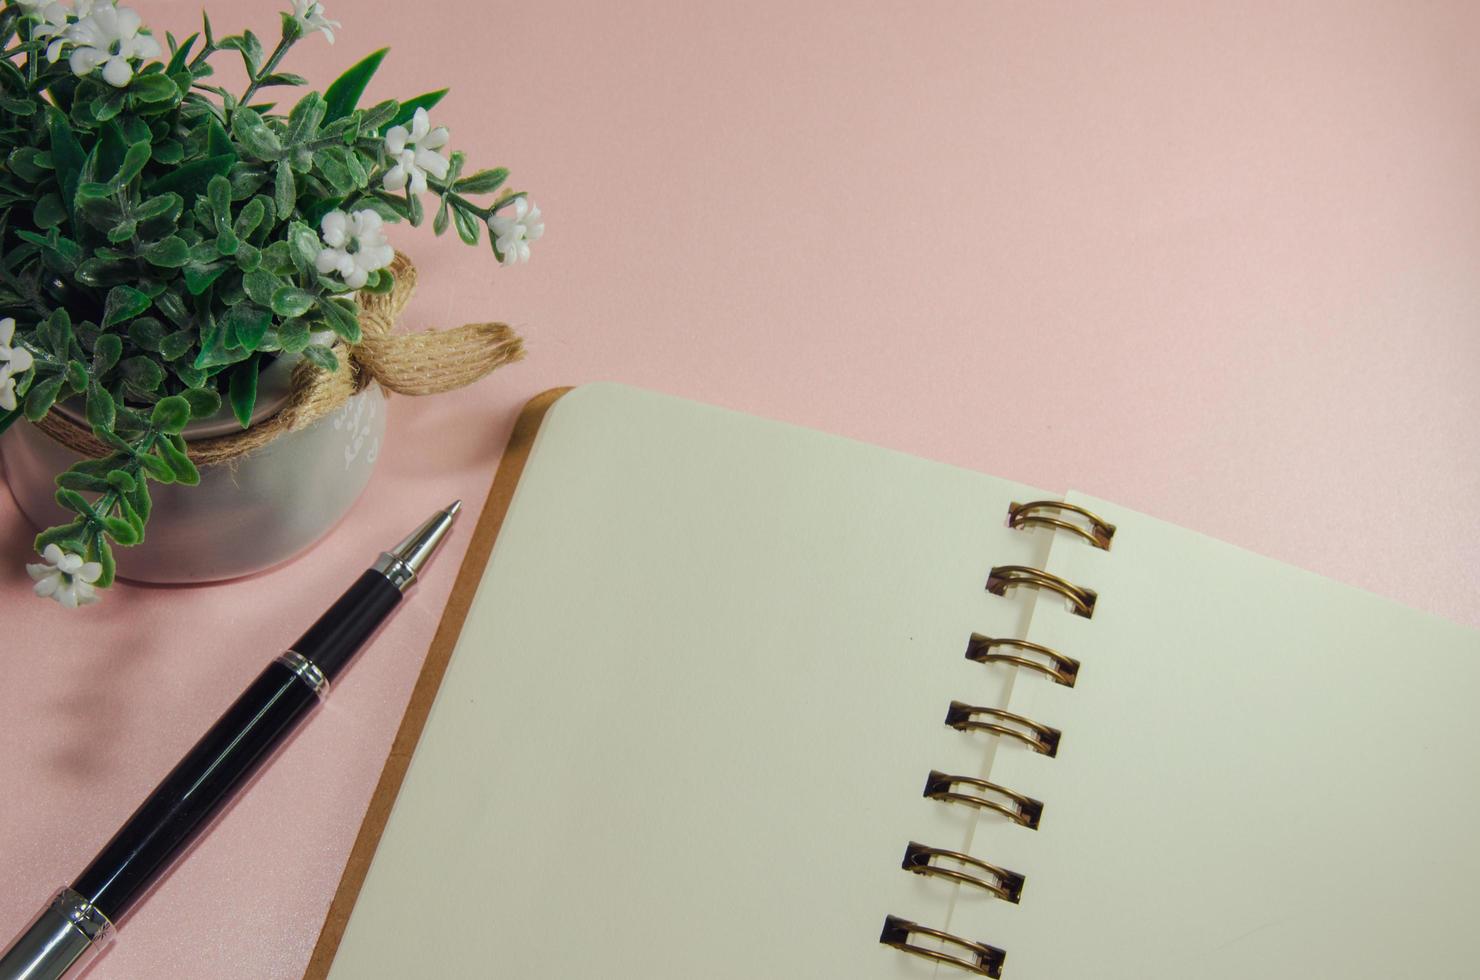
[(687, 727), (1262, 774)]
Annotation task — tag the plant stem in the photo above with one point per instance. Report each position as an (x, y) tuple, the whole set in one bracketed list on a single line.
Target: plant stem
[(272, 62)]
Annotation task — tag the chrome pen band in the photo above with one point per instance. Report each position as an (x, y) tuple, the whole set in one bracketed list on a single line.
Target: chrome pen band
[(308, 672), (401, 574), (68, 934)]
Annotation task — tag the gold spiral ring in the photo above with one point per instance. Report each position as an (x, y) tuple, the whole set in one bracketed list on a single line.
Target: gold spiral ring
[(980, 959), (1004, 577), (1060, 669), (1098, 533)]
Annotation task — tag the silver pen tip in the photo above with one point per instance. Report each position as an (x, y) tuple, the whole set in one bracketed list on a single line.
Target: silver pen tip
[(403, 563)]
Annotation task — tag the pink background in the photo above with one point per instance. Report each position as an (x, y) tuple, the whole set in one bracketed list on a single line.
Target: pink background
[(1217, 265)]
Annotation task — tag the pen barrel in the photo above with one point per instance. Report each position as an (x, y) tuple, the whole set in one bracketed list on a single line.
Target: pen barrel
[(184, 804), (349, 624)]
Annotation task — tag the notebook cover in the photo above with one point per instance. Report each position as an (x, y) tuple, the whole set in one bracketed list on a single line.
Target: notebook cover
[(510, 468)]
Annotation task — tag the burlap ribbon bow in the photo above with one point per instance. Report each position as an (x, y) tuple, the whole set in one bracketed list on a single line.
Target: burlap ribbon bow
[(408, 363)]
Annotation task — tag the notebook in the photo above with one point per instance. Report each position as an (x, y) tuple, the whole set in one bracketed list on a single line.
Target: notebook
[(731, 699)]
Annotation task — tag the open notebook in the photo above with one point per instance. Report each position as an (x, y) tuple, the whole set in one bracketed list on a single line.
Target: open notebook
[(731, 695)]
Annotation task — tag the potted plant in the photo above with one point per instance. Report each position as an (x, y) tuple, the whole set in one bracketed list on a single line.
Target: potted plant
[(175, 255)]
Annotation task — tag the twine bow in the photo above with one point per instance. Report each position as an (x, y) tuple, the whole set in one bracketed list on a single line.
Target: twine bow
[(411, 364)]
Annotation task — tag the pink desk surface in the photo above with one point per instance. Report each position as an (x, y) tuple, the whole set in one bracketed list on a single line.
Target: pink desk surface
[(1216, 265)]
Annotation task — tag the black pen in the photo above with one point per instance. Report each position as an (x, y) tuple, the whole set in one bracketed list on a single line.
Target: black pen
[(80, 921)]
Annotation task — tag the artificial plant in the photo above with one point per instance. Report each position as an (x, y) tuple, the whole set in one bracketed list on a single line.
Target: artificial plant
[(162, 238)]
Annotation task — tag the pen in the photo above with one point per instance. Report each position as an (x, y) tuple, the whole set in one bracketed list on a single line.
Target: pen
[(79, 922)]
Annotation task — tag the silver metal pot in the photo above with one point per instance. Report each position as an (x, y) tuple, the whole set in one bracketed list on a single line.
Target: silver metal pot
[(245, 516)]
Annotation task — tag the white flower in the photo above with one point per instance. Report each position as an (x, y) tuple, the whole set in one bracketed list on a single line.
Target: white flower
[(56, 20), (65, 577), (29, 6), (13, 360), (109, 38), (310, 16), (354, 246), (513, 235), (415, 153)]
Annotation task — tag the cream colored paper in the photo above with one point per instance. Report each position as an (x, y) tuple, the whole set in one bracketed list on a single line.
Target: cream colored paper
[(1263, 774), (687, 728), (686, 731)]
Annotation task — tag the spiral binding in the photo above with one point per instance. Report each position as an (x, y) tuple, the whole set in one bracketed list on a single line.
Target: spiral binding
[(1059, 668), (974, 957), (1099, 532), (1004, 577), (1040, 738), (1006, 885), (985, 961)]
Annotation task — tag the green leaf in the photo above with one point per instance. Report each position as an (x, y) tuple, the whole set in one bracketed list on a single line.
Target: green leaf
[(250, 216), (103, 555), (171, 253), (106, 352), (380, 283), (248, 257), (243, 391), (158, 216), (482, 182), (203, 402), (49, 212), (140, 502), (285, 189), (172, 305), (214, 351), (342, 318), (123, 231), (291, 301), (181, 54), (282, 78), (198, 278), (82, 482), (134, 160), (246, 324), (306, 117), (143, 373), (123, 304), (153, 89), (217, 142), (121, 481), (293, 335), (172, 451), (176, 345), (158, 470), (218, 192), (342, 97), (74, 501), (468, 225), (321, 357), (330, 162), (255, 135), (100, 408), (66, 153), (444, 214), (121, 531), (191, 179), (42, 395), (409, 107), (76, 376), (170, 414), (261, 286), (305, 245), (146, 332)]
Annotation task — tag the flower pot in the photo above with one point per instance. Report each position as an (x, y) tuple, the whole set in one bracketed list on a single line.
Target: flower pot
[(245, 516)]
